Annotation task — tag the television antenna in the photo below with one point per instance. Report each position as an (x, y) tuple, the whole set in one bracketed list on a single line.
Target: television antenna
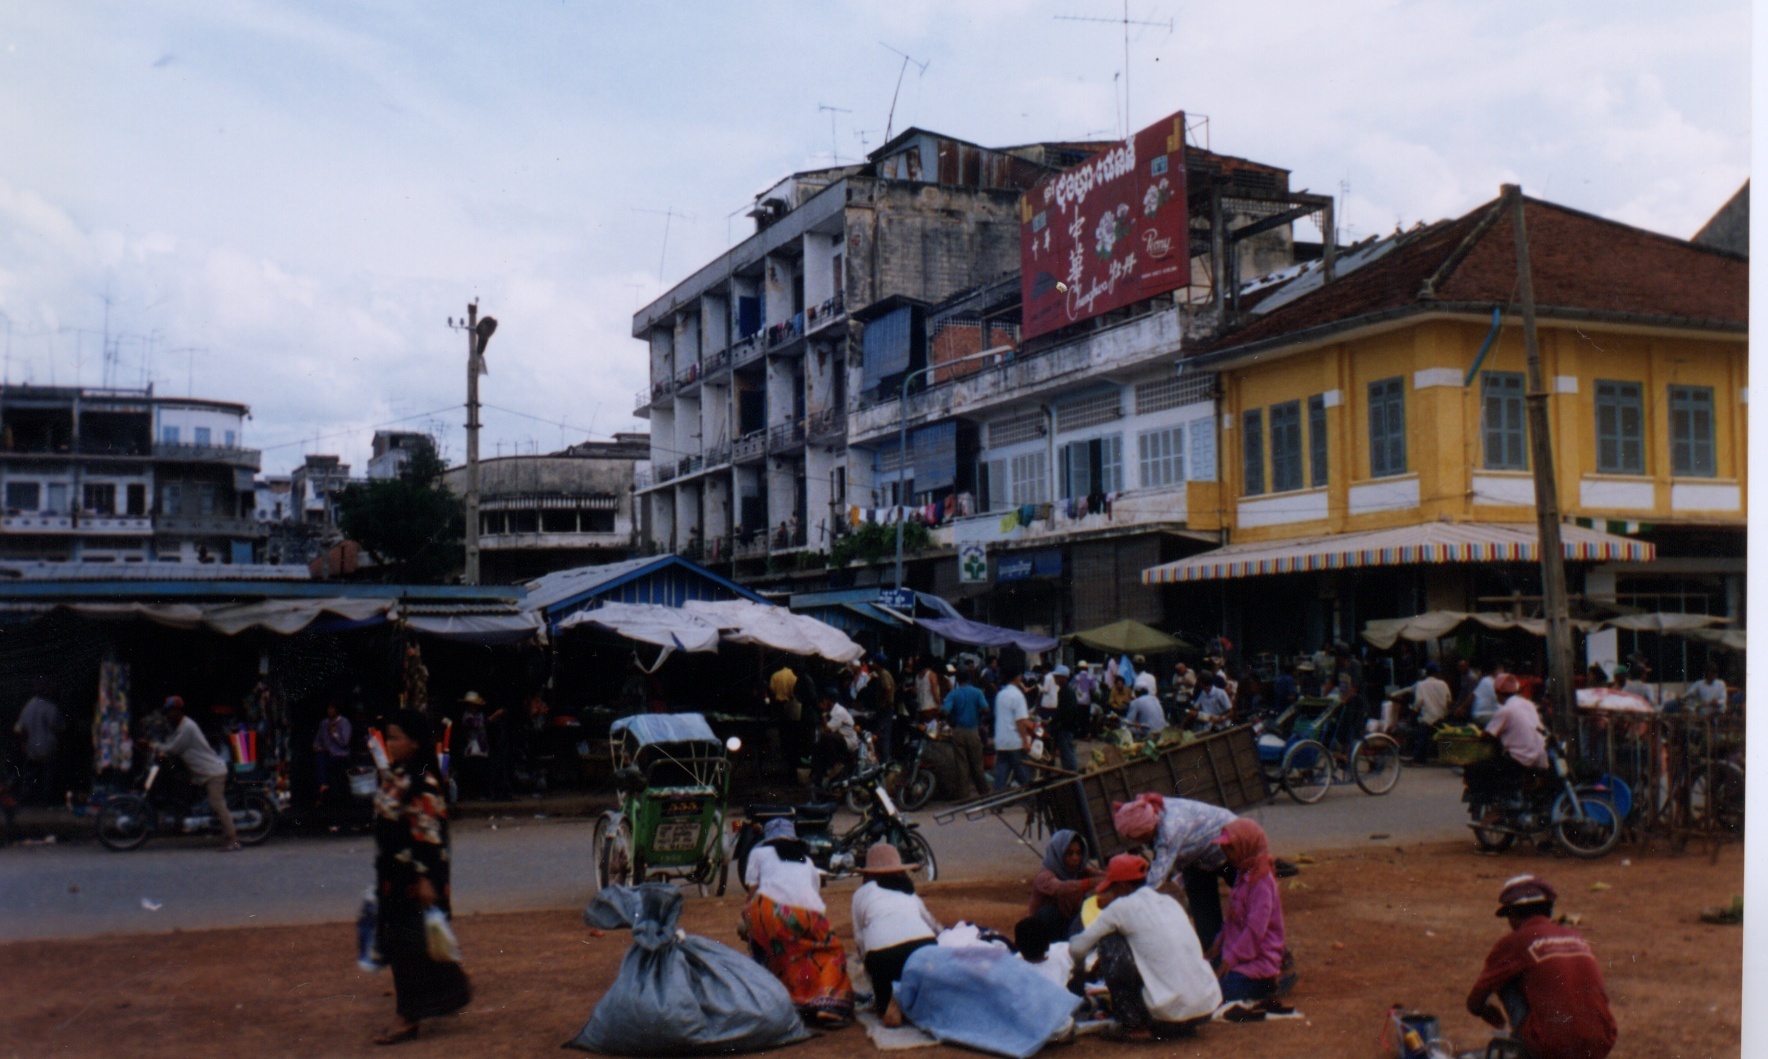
[(1126, 22), (834, 152), (907, 60), (668, 215)]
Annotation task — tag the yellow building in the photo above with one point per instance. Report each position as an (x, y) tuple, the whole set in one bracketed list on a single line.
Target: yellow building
[(1370, 470)]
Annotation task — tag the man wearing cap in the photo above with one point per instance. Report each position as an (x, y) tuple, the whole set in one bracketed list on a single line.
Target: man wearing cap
[(1517, 728), (206, 767), (1546, 978), (1149, 957)]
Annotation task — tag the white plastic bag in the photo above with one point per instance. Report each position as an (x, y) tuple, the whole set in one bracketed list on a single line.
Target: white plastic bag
[(439, 937)]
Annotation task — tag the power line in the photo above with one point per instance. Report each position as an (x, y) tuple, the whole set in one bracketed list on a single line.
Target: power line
[(353, 430)]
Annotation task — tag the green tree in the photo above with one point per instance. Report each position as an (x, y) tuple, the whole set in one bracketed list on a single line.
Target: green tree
[(413, 525)]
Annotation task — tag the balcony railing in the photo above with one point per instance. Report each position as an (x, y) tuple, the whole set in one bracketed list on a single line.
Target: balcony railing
[(747, 350), (751, 544), (641, 400), (782, 333), (687, 376), (663, 472), (694, 550), (718, 454), (228, 454), (783, 436), (789, 537), (749, 446), (717, 361), (828, 424), (688, 465), (819, 316), (218, 525), (642, 479)]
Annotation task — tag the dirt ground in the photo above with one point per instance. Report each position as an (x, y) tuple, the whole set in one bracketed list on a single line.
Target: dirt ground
[(1370, 928)]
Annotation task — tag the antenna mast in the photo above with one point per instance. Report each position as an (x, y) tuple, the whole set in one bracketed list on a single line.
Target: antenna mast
[(890, 122), (834, 151), (1126, 21)]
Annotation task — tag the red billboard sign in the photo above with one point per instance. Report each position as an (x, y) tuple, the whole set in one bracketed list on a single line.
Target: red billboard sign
[(1107, 232)]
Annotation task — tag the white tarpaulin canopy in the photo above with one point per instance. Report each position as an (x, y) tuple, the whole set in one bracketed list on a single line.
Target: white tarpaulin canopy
[(651, 623), (743, 621), (479, 628), (1436, 624), (283, 616)]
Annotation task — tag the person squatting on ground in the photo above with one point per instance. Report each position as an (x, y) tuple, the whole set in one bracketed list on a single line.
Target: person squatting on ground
[(788, 931), (1183, 833), (1149, 957), (411, 869), (889, 923), (206, 767), (1546, 978), (1062, 883)]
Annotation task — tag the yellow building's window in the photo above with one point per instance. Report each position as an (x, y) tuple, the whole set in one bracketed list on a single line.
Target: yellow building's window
[(1387, 427), (1691, 431), (1620, 427), (1502, 421), (1252, 445)]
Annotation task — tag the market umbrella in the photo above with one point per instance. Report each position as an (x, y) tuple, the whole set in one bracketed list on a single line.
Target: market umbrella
[(1130, 637), (1661, 622)]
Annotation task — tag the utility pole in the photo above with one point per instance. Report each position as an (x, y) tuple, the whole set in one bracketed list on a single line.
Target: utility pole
[(478, 334), (1559, 632)]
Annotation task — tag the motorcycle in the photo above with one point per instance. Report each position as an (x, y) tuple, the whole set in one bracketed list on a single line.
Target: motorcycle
[(126, 821), (1581, 818), (839, 855)]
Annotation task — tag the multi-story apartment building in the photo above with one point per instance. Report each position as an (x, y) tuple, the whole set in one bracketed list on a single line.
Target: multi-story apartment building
[(314, 488), (778, 375), (574, 507), (124, 476), (1375, 466)]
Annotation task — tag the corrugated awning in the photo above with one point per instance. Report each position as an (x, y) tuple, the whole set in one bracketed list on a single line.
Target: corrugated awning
[(1432, 542)]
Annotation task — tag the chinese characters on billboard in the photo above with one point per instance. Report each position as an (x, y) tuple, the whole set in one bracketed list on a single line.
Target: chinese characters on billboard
[(1111, 230)]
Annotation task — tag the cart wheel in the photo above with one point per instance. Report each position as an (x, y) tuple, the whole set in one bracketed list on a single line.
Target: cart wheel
[(1307, 771), (616, 861), (1375, 763)]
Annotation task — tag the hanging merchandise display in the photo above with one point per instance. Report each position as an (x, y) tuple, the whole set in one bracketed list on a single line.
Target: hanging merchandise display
[(113, 749), (414, 691)]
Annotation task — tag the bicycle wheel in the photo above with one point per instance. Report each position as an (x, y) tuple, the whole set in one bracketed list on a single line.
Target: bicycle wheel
[(1307, 771), (1375, 763), (616, 861), (1591, 830), (124, 823), (1723, 804)]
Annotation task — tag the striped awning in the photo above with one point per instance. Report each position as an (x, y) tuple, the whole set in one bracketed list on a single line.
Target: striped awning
[(1432, 542)]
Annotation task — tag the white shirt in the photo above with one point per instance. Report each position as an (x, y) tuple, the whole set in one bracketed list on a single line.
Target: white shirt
[(784, 882), (841, 723), (1177, 983), (188, 743), (1517, 724), (1009, 710), (1050, 691), (1145, 713), (1145, 683), (1215, 703), (1485, 698), (1432, 698), (1708, 692), (883, 918)]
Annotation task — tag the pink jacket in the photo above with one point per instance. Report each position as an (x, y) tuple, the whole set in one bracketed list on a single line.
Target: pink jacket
[(1252, 931)]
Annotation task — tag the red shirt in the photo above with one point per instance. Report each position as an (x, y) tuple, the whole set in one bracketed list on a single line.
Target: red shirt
[(1562, 982)]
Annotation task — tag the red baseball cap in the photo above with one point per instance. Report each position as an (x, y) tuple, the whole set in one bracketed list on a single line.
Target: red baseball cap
[(1125, 867)]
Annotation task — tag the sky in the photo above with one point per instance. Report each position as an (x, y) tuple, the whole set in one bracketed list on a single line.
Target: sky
[(282, 204)]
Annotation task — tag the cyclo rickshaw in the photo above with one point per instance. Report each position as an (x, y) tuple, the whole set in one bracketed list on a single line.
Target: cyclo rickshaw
[(672, 776), (1295, 753)]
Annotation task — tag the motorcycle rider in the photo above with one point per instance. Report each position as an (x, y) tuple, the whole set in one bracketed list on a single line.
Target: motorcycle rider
[(1517, 729), (206, 767)]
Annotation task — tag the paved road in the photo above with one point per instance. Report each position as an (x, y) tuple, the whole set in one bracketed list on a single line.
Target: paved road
[(83, 889)]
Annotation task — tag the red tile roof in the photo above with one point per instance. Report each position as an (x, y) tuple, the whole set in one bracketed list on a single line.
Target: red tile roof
[(1583, 266)]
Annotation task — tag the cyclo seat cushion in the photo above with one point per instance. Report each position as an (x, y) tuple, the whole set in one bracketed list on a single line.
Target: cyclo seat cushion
[(768, 812), (816, 813)]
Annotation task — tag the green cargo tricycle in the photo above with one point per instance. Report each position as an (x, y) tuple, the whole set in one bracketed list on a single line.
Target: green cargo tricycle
[(672, 775)]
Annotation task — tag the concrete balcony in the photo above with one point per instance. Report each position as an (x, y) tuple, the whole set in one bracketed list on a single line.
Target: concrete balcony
[(36, 522), (825, 314), (785, 437), (641, 403), (82, 524), (208, 526), (748, 350), (1132, 344), (232, 456), (541, 541), (751, 446), (1133, 511), (827, 426)]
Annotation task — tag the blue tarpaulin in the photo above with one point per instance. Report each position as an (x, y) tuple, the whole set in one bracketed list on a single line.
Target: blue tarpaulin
[(976, 634), (935, 452)]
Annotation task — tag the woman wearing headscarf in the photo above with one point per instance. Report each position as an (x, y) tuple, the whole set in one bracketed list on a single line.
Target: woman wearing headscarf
[(787, 929), (889, 924), (411, 877), (1063, 883), (1183, 833), (1251, 945)]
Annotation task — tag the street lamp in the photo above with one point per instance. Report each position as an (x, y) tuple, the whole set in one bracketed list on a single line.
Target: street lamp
[(902, 434)]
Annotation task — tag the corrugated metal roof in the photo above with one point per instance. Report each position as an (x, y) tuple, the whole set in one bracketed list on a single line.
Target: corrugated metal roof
[(668, 579)]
